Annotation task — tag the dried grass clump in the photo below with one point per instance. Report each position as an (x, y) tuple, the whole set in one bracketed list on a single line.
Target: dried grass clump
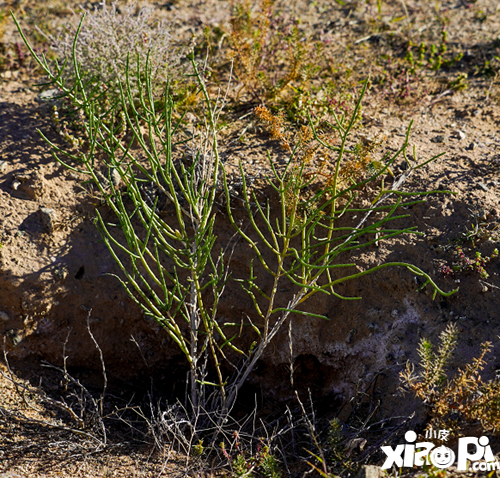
[(110, 36), (275, 124), (262, 35)]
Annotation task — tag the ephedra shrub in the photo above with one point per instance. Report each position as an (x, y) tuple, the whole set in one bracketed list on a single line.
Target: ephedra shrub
[(163, 236)]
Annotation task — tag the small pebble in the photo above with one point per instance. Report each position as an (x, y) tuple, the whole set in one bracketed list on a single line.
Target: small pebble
[(48, 218), (482, 186), (48, 94), (3, 166), (190, 118), (438, 139), (61, 272), (15, 335), (472, 146), (4, 316), (22, 177), (350, 336), (370, 471)]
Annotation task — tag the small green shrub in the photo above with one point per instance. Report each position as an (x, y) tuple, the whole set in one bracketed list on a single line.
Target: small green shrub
[(463, 263), (431, 56), (465, 395), (247, 464), (459, 83)]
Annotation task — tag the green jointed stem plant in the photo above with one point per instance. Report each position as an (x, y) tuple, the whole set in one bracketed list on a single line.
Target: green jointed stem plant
[(173, 294), (166, 214), (305, 240)]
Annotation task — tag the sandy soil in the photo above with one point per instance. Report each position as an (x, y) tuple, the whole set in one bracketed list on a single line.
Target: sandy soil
[(52, 275)]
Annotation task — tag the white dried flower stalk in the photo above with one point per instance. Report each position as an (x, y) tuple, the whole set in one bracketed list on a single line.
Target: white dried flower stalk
[(109, 35)]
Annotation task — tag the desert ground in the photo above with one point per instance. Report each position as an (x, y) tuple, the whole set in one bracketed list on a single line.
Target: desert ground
[(86, 375)]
